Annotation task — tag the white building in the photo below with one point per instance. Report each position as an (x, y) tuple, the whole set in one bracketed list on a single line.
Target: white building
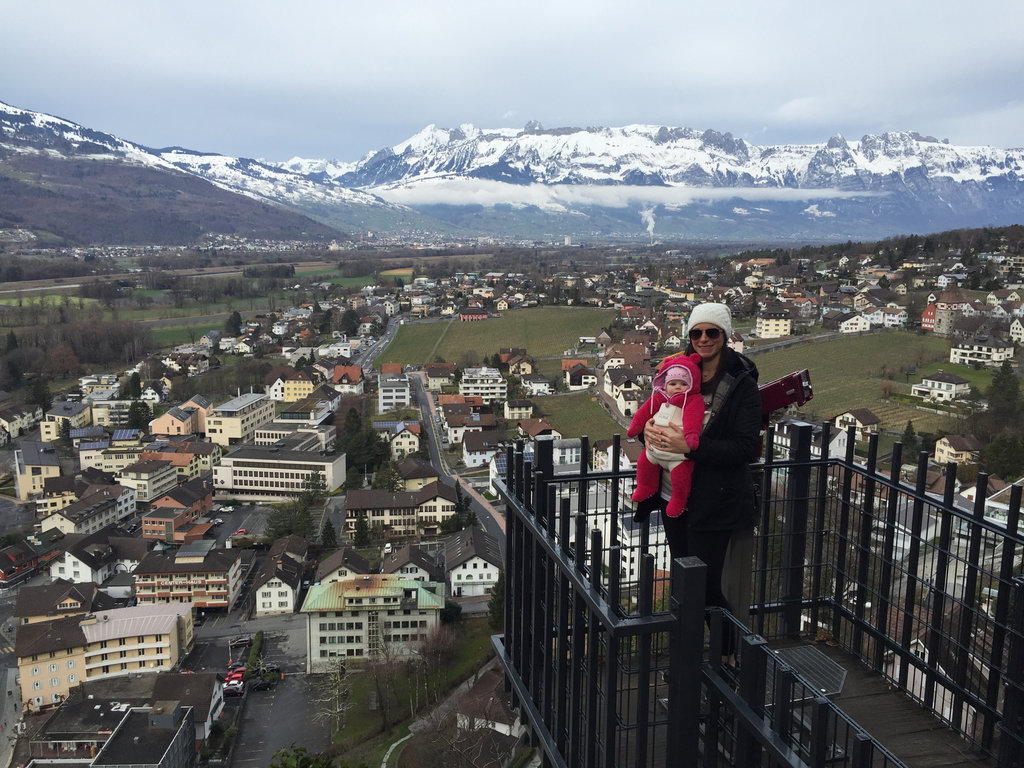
[(472, 562), (393, 391), (363, 616), (486, 383), (941, 387)]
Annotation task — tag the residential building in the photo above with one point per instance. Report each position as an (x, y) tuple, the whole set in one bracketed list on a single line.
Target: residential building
[(98, 556), (774, 322), (416, 473), (439, 375), (151, 479), (486, 383), (278, 585), (959, 449), (187, 419), (981, 350), (359, 617), (402, 513), (98, 506), (472, 562), (348, 379), (62, 598), (235, 422), (111, 413), (291, 386), (413, 562), (863, 421), (66, 415), (941, 387), (480, 446), (34, 462), (18, 563), (17, 420), (341, 565), (393, 392), (518, 409), (57, 655), (403, 437), (196, 573)]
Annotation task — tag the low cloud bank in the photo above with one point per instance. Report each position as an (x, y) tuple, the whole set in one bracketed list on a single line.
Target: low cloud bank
[(564, 196)]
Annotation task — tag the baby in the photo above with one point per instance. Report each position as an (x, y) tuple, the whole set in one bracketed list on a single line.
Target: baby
[(676, 400)]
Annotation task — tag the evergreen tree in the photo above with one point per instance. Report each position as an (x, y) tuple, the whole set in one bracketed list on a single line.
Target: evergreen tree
[(388, 479), (328, 537), (353, 422), (496, 604), (134, 386), (12, 341), (139, 415), (1004, 397), (233, 325), (39, 394), (361, 535), (909, 438), (1004, 456)]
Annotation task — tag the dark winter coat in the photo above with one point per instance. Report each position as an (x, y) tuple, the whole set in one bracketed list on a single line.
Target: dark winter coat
[(722, 493)]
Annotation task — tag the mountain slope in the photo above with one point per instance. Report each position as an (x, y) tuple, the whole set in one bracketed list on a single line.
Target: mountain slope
[(73, 185), (632, 182)]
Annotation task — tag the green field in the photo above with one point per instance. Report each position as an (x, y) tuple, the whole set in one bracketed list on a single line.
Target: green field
[(541, 331), (577, 414), (853, 372)]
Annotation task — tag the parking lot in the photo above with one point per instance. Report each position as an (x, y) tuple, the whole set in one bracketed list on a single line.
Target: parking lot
[(287, 704)]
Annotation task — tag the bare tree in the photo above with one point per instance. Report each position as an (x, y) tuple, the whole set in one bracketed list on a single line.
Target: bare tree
[(331, 696), (384, 667)]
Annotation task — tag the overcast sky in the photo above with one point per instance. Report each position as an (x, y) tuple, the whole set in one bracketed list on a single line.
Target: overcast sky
[(336, 79)]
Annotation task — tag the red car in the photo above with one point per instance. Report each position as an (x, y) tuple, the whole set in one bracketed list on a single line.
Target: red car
[(241, 532), (238, 674)]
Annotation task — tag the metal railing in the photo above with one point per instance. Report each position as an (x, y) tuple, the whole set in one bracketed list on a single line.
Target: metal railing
[(607, 652)]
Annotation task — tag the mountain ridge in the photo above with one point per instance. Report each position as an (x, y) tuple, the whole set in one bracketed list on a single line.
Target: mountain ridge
[(628, 182)]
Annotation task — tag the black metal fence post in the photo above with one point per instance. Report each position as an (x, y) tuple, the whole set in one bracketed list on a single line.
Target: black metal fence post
[(794, 552), (1011, 746), (686, 649)]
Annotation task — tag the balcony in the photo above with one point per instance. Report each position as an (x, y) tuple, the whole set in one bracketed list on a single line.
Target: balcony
[(885, 624)]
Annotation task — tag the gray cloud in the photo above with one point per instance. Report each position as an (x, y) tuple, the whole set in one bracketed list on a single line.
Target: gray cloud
[(327, 79)]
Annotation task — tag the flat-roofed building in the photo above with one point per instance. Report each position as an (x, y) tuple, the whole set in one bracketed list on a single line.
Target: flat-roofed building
[(236, 421), (279, 471), (486, 383)]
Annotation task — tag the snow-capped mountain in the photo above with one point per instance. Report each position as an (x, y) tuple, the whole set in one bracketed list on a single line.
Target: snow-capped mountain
[(637, 181)]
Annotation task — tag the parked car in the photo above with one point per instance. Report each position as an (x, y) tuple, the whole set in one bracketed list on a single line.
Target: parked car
[(261, 684), (218, 521), (234, 690), (227, 510), (241, 532), (236, 665)]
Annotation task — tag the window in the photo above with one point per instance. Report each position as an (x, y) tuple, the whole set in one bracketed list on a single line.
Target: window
[(54, 682), (52, 667)]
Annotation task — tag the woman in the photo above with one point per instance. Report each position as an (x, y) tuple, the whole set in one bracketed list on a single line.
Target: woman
[(721, 498)]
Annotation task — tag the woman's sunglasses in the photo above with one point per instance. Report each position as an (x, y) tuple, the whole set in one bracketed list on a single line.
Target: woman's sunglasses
[(711, 333)]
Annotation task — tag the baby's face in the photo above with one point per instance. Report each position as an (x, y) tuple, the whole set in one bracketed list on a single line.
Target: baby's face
[(676, 386)]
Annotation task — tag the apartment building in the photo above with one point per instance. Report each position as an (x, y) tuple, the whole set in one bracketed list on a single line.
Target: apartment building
[(393, 391), (196, 573), (151, 479), (67, 415), (55, 656), (97, 507), (486, 383), (403, 513), (357, 618), (34, 462), (235, 422)]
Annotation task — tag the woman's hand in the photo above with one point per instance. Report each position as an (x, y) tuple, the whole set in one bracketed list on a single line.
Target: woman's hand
[(669, 438)]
